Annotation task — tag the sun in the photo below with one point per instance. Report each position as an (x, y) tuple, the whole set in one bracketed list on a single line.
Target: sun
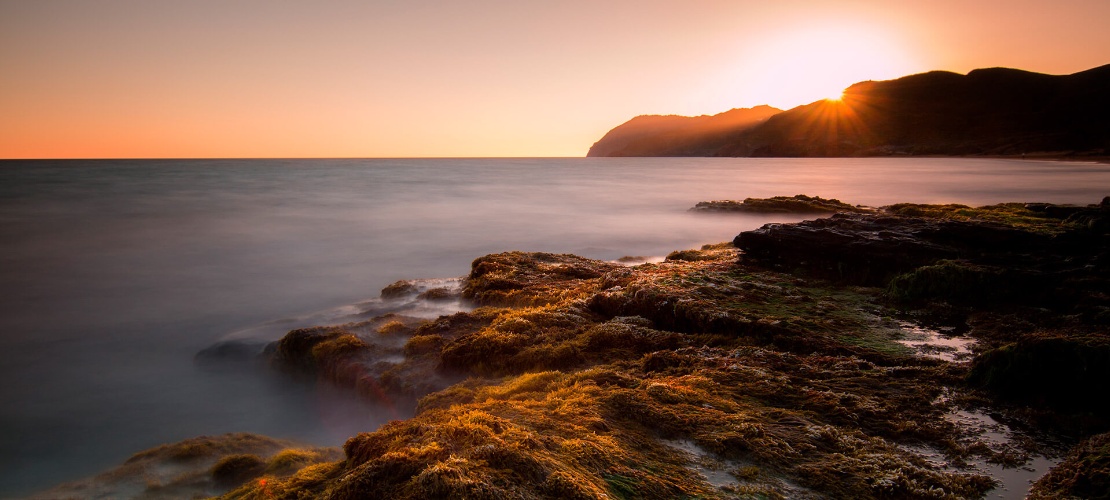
[(810, 63)]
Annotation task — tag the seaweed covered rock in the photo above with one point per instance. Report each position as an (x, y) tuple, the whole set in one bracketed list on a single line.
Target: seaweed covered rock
[(1085, 473), (1005, 253), (705, 294), (389, 359), (195, 468), (870, 250), (626, 433), (797, 204), (1069, 372), (968, 283), (532, 279), (716, 374)]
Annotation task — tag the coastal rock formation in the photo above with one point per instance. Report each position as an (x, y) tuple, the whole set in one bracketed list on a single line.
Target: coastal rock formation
[(797, 204), (1030, 260), (993, 111), (870, 250), (779, 369)]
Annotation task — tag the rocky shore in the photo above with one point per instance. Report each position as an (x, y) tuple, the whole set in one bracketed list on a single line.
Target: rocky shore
[(785, 364)]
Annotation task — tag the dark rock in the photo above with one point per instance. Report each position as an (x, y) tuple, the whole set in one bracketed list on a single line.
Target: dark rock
[(798, 204), (294, 350), (859, 248), (1069, 372), (234, 470), (231, 353), (440, 293), (967, 283)]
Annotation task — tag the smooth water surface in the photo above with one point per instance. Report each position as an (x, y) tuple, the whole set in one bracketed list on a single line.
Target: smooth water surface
[(115, 273)]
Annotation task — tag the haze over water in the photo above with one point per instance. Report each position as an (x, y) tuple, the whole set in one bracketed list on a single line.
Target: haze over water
[(115, 273)]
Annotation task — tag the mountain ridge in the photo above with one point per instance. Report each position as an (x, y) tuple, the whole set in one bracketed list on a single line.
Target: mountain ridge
[(988, 111)]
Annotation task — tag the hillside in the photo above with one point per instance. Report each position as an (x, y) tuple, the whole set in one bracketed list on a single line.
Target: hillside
[(995, 111), (672, 135)]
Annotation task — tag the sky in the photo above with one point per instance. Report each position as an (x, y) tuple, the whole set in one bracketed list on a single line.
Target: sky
[(480, 78)]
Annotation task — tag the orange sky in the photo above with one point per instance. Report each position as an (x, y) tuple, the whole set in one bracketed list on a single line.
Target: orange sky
[(429, 78)]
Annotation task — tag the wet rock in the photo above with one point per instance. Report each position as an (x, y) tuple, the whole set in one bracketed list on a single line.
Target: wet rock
[(200, 467), (1069, 372), (232, 353), (986, 249), (234, 470), (861, 249), (439, 293), (967, 283), (525, 279), (398, 290), (798, 204)]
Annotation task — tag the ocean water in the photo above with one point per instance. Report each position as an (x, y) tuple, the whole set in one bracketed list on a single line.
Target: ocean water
[(114, 274)]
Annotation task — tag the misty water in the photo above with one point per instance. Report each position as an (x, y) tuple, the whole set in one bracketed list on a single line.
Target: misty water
[(114, 274)]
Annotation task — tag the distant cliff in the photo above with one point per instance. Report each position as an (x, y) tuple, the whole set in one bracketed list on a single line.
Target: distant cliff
[(672, 135), (996, 111)]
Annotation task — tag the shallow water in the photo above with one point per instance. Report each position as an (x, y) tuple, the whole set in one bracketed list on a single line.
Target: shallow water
[(931, 343), (115, 273), (1014, 481)]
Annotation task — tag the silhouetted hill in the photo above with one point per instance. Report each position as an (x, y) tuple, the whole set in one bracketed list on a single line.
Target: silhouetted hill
[(995, 111), (672, 135)]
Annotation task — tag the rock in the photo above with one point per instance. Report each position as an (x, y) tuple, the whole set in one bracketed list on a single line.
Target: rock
[(398, 289), (231, 353), (1066, 371), (200, 467), (798, 204), (527, 279), (574, 377), (854, 248), (440, 293)]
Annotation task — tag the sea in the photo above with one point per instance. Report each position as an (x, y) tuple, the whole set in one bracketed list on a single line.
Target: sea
[(114, 274)]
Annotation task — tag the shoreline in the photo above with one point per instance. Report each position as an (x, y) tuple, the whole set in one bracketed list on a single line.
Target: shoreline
[(758, 367)]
